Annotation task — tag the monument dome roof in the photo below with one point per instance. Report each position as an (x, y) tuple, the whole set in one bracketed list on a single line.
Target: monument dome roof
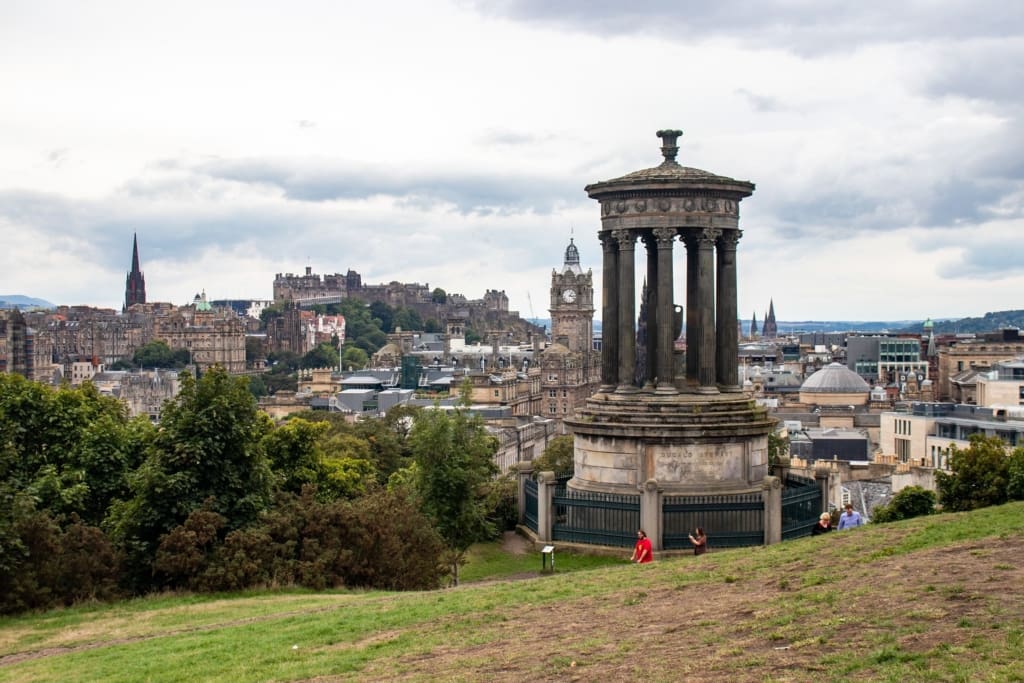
[(670, 172), (835, 378)]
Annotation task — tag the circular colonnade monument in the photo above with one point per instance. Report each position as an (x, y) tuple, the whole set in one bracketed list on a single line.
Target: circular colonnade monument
[(680, 427)]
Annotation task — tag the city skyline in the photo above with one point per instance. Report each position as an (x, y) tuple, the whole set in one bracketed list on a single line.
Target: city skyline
[(449, 144)]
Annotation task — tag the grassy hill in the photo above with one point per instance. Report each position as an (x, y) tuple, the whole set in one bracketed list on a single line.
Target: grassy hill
[(932, 599)]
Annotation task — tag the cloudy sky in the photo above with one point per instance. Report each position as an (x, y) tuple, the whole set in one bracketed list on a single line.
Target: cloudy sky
[(448, 143)]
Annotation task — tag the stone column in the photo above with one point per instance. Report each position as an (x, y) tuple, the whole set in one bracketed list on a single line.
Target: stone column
[(650, 512), (692, 308), (627, 312), (545, 508), (771, 494), (666, 332), (727, 349), (706, 297), (822, 476), (609, 314), (651, 366)]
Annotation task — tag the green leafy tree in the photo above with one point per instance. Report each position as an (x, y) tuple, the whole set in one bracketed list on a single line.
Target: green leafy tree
[(454, 455), (1015, 472), (275, 310), (912, 501), (439, 296), (978, 477), (284, 361), (157, 354), (323, 356), (355, 358), (431, 325), (254, 349), (557, 457), (206, 454), (408, 319), (383, 315), (294, 452), (71, 449)]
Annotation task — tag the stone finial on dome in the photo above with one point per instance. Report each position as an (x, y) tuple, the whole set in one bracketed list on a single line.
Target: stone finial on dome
[(668, 144)]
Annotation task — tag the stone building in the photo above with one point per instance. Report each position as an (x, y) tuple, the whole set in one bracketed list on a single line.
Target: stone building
[(570, 367), (970, 353), (212, 337)]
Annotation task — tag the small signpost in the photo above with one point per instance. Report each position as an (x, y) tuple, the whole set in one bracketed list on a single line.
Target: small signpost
[(546, 553)]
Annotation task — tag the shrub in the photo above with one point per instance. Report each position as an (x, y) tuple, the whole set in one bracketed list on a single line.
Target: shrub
[(978, 475), (185, 552), (913, 501), (1015, 472)]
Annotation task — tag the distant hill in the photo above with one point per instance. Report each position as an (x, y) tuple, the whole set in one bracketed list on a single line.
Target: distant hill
[(23, 302)]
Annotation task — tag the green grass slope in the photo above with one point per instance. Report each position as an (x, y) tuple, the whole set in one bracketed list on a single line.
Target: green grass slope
[(932, 599)]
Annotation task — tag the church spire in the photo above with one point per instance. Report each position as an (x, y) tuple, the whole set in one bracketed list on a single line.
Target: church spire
[(135, 283)]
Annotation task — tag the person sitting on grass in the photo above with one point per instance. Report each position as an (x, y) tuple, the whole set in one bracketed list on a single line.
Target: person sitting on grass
[(642, 549)]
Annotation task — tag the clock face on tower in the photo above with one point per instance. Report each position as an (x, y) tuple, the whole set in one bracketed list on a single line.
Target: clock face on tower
[(569, 296)]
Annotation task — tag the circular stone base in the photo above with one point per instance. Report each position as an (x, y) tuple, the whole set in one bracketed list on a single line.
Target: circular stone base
[(689, 444)]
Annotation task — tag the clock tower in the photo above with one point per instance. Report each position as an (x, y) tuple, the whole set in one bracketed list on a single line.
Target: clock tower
[(570, 368), (572, 304)]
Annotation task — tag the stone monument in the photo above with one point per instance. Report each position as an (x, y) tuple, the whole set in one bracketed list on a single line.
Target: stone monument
[(688, 429)]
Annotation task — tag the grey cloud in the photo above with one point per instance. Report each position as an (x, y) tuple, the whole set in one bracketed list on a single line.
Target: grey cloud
[(984, 261), (512, 138), (57, 157), (803, 26), (986, 70), (472, 192), (762, 103)]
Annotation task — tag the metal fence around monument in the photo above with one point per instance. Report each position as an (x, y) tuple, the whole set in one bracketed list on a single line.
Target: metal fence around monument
[(594, 518), (801, 506), (729, 521), (530, 511)]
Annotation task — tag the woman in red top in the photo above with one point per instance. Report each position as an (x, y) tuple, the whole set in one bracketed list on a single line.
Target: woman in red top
[(642, 549)]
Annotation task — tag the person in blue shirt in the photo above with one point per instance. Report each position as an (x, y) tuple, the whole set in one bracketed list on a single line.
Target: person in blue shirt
[(850, 518)]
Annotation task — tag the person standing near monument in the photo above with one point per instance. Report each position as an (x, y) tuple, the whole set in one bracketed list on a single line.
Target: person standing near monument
[(850, 518), (642, 549)]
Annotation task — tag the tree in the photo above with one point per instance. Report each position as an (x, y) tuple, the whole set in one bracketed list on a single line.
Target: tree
[(207, 453), (383, 315), (454, 455), (254, 349), (439, 296), (157, 354), (354, 357), (407, 319), (323, 356), (978, 477), (557, 457), (913, 501), (1015, 472)]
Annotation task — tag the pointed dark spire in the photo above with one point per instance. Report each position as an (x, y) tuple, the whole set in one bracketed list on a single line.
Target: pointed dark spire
[(753, 324), (771, 329), (135, 283)]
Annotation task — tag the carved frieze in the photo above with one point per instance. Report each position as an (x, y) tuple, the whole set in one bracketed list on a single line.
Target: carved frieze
[(684, 205)]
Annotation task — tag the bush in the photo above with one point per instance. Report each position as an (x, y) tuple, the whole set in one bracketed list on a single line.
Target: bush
[(380, 540), (1015, 472), (979, 475), (913, 501)]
